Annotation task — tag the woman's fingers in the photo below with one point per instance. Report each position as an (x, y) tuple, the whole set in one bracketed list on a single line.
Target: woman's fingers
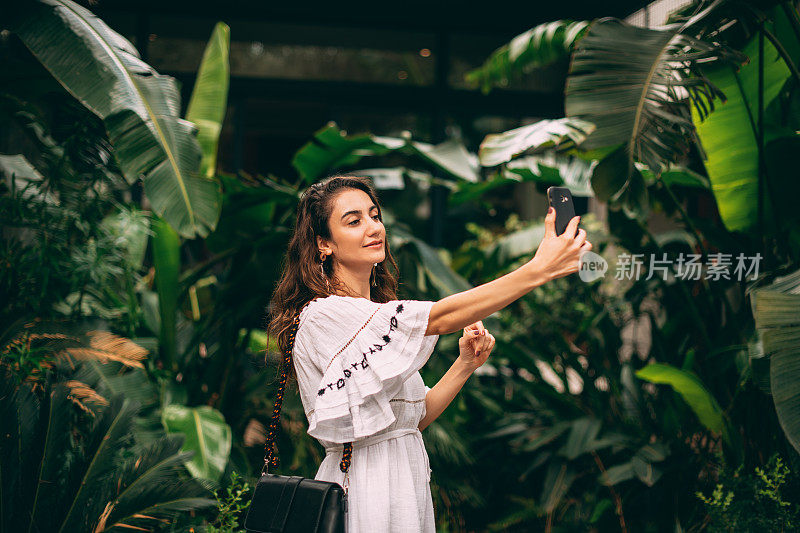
[(581, 237), (486, 343), (550, 223), (572, 227), (475, 326)]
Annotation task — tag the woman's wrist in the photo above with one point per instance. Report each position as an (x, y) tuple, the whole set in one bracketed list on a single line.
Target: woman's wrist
[(463, 368), (537, 273)]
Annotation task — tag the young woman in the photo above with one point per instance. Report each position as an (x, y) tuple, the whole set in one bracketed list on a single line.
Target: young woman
[(358, 349)]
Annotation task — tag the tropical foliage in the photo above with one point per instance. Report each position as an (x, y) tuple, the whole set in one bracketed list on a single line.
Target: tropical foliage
[(132, 308)]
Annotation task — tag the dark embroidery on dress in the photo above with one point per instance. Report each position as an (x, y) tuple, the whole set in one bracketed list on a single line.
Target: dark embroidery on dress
[(363, 364)]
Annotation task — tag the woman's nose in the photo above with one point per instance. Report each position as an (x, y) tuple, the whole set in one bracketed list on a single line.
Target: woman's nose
[(376, 226)]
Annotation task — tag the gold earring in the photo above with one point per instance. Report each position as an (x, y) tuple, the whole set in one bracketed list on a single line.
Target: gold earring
[(322, 257)]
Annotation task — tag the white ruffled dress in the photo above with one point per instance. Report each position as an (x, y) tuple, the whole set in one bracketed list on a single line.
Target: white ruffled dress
[(357, 364)]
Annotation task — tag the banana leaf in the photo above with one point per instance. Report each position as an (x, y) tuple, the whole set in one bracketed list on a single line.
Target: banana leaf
[(776, 312), (166, 260), (206, 434), (441, 275), (640, 466), (694, 393), (555, 169), (675, 175), (562, 133), (25, 177), (139, 107), (331, 148), (728, 134), (209, 98), (131, 228), (612, 184), (537, 47), (450, 157)]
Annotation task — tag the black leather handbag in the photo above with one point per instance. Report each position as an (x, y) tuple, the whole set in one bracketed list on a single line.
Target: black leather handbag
[(294, 504)]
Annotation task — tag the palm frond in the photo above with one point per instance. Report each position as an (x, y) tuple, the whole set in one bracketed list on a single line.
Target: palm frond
[(48, 475), (80, 392), (110, 433), (20, 429), (105, 346), (537, 47), (636, 85), (152, 475), (115, 379)]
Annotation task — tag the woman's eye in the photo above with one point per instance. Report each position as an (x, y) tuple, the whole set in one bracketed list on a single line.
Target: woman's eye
[(356, 220)]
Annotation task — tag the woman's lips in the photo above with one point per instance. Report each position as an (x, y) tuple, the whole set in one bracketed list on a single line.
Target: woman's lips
[(376, 245)]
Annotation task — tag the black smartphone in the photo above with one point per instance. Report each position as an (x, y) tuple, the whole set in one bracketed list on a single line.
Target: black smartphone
[(560, 199)]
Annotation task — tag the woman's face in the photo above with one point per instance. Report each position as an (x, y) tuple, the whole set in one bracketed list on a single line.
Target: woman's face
[(354, 224)]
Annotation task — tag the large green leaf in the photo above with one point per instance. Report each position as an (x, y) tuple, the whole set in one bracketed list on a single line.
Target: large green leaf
[(555, 169), (675, 175), (640, 466), (450, 156), (25, 177), (444, 278), (139, 107), (130, 228), (728, 134), (691, 389), (206, 434), (562, 133), (582, 435), (166, 260), (331, 148), (776, 310), (548, 168), (538, 47), (633, 84), (210, 96), (513, 245), (612, 184)]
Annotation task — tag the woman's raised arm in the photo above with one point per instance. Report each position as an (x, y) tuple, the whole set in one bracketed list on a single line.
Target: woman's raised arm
[(556, 256)]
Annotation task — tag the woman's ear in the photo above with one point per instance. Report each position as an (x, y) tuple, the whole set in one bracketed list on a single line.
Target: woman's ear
[(322, 245)]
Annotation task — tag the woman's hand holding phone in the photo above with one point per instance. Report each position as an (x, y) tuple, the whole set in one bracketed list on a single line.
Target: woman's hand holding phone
[(559, 255)]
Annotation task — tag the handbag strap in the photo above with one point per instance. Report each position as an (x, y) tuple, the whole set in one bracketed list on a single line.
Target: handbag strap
[(271, 458)]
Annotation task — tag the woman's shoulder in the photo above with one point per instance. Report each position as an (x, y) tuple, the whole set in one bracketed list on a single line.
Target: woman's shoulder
[(335, 306)]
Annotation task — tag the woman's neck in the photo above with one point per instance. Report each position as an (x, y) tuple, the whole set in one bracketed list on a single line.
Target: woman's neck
[(355, 282)]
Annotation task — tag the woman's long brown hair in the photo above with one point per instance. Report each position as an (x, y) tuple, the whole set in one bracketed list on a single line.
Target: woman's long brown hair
[(301, 279)]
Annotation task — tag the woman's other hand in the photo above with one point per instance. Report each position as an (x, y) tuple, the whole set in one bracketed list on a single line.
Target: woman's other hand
[(475, 345), (559, 255)]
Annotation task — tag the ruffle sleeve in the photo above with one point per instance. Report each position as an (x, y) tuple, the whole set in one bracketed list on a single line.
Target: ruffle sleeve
[(364, 366)]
